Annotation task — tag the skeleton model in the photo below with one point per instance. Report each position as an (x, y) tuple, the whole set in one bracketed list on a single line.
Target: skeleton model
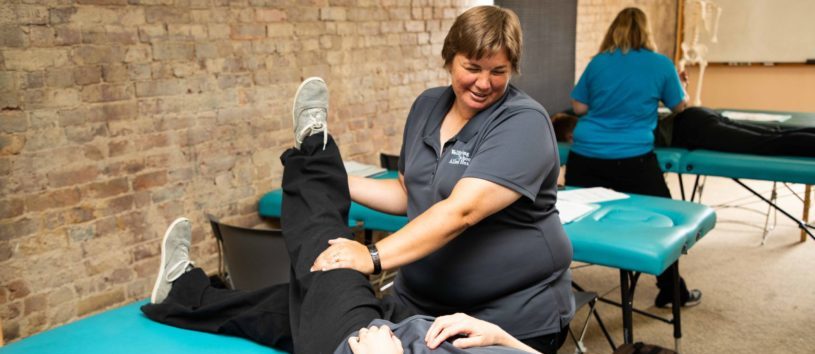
[(704, 15)]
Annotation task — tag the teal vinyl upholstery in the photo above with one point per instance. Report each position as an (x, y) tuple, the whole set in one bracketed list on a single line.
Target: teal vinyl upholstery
[(669, 158), (769, 168), (640, 233), (126, 330)]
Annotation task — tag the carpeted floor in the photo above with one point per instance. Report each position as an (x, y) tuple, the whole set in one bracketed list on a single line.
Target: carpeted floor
[(756, 298)]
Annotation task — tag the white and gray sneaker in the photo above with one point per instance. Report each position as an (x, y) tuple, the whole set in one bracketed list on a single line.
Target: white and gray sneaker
[(310, 110), (175, 258)]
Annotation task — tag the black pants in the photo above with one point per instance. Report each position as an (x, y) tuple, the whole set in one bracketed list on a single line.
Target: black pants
[(316, 311), (702, 128), (640, 175)]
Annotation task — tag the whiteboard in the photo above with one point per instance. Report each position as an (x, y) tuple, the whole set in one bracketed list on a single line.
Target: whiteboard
[(764, 31)]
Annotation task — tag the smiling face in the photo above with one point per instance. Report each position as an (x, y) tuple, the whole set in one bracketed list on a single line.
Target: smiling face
[(478, 83)]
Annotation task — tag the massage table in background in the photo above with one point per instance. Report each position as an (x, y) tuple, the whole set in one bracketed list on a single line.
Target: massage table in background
[(640, 234), (736, 166), (125, 330)]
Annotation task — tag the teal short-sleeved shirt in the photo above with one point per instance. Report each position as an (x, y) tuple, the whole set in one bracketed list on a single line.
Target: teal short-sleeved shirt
[(623, 92)]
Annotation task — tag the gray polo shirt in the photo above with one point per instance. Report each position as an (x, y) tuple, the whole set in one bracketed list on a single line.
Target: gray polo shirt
[(411, 332), (512, 268)]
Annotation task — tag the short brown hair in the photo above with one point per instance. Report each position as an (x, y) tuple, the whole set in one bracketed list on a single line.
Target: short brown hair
[(629, 30), (482, 31)]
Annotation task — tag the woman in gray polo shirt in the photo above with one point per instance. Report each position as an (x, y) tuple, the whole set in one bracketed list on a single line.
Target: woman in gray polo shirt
[(477, 179)]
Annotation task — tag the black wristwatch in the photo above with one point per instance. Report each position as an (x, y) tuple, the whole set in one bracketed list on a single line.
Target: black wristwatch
[(375, 258)]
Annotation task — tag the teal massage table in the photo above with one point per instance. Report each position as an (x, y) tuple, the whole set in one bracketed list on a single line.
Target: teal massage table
[(736, 167), (621, 234), (640, 234), (126, 330)]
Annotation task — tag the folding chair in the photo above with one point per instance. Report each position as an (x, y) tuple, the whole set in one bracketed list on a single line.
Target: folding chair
[(388, 161), (587, 298), (250, 259)]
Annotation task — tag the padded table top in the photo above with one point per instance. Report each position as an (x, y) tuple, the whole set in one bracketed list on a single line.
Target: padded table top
[(126, 330), (669, 158), (769, 168), (640, 233)]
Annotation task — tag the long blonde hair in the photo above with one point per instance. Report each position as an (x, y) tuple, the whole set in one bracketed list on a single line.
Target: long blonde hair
[(628, 31)]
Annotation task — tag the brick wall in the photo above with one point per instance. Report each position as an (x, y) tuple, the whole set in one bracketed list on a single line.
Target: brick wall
[(594, 17), (117, 116)]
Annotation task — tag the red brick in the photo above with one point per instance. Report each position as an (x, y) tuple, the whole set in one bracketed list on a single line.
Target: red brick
[(116, 205), (120, 147), (36, 303), (5, 254), (18, 289), (97, 54), (54, 199), (107, 188), (66, 35), (11, 144), (149, 180), (99, 301), (86, 133), (72, 177), (270, 15), (12, 36), (248, 31), (10, 230), (166, 14), (173, 50), (61, 14), (86, 75), (107, 92)]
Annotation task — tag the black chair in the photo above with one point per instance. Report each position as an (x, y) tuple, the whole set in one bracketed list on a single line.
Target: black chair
[(250, 259), (388, 161)]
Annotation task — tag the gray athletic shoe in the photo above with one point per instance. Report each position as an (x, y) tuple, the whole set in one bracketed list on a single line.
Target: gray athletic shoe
[(175, 258), (310, 110)]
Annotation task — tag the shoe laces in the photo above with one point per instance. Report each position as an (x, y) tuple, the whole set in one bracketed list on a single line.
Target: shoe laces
[(316, 123)]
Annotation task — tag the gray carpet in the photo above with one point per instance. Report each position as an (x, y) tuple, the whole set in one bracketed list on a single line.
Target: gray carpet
[(756, 298)]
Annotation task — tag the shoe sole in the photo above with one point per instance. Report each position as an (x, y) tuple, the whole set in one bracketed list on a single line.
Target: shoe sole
[(161, 269), (296, 94)]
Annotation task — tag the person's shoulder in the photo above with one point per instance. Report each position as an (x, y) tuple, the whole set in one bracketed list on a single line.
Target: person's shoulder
[(661, 58), (517, 101), (434, 93)]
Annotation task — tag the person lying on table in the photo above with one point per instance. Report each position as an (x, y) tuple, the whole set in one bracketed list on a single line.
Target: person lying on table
[(318, 311), (704, 128), (477, 180)]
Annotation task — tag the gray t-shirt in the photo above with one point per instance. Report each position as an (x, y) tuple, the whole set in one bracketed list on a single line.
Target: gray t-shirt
[(512, 268), (411, 332)]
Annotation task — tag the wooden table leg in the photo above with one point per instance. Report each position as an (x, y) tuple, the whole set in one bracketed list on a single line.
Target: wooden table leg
[(807, 192)]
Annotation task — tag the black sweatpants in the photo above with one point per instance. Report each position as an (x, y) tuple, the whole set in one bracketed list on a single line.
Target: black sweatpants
[(316, 311), (703, 128), (639, 175)]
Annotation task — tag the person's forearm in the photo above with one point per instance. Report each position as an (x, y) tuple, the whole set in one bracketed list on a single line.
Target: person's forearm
[(512, 342), (385, 195), (471, 201), (426, 233)]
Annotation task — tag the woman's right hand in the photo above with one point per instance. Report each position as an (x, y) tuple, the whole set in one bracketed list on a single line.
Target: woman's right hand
[(375, 340)]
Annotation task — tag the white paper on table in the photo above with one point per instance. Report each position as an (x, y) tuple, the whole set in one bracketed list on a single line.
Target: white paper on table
[(590, 195), (354, 168), (756, 117), (571, 211)]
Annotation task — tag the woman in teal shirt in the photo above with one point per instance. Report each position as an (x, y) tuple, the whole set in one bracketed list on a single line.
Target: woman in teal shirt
[(618, 96)]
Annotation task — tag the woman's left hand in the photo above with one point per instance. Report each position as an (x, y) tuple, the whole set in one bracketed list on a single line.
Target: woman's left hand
[(344, 253)]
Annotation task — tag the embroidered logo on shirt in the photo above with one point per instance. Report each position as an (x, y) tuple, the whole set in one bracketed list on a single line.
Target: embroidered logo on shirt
[(460, 157)]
